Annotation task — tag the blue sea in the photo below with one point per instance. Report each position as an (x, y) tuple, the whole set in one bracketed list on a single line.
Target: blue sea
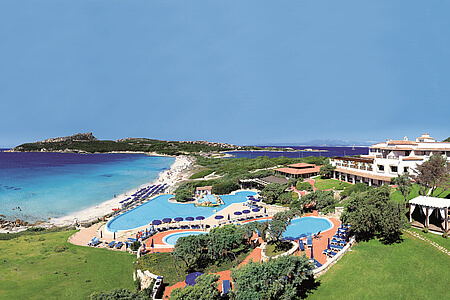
[(53, 185), (326, 151)]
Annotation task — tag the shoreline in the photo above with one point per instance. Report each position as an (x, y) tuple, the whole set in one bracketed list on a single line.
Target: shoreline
[(173, 175), (84, 152)]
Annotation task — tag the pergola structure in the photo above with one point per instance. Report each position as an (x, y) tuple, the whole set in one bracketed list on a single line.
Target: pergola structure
[(428, 205)]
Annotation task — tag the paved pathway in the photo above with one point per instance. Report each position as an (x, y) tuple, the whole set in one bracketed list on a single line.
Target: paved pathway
[(439, 247)]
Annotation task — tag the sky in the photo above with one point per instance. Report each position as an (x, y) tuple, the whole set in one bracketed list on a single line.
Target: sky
[(244, 72)]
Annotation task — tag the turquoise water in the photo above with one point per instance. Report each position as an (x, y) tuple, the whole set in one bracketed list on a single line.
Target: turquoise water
[(160, 208), (307, 225), (208, 198), (172, 239), (56, 184)]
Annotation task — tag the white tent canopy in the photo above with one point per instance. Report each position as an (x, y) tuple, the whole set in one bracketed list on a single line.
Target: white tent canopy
[(429, 204)]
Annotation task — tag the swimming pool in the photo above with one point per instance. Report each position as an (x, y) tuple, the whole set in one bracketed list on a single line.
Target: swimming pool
[(159, 208), (307, 226), (172, 239)]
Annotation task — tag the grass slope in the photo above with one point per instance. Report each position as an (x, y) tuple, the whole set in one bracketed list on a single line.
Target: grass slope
[(31, 269), (412, 269)]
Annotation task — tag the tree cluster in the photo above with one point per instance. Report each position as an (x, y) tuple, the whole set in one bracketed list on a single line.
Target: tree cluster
[(323, 201), (273, 192), (326, 171), (356, 188), (432, 174), (204, 289), (373, 213), (304, 186), (286, 278), (280, 221), (199, 251)]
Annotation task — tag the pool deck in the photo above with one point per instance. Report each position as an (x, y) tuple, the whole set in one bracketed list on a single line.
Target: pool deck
[(159, 245), (321, 244), (318, 246)]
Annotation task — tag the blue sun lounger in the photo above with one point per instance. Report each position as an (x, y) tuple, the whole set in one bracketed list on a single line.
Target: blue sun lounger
[(309, 241), (110, 245), (91, 241), (302, 247), (94, 242), (317, 264), (329, 253), (336, 247), (225, 287), (119, 245)]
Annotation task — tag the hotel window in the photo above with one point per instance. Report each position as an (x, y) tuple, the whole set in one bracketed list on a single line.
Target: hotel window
[(394, 169), (405, 170), (381, 168)]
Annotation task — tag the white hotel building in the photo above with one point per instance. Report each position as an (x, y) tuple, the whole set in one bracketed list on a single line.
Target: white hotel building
[(388, 159)]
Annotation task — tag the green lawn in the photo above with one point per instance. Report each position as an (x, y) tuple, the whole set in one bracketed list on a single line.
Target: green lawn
[(326, 184), (274, 250), (31, 269), (434, 237), (415, 192), (397, 196), (412, 269)]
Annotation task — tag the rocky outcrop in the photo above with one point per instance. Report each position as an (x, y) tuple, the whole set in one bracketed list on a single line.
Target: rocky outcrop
[(11, 224), (79, 137)]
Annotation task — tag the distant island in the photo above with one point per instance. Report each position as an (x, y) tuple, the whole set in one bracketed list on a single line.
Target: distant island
[(84, 143), (88, 143)]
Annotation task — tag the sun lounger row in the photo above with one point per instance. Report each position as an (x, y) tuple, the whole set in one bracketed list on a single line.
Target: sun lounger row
[(115, 244)]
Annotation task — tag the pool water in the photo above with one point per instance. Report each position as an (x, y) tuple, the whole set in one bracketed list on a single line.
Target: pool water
[(307, 226), (172, 239), (209, 198), (159, 208)]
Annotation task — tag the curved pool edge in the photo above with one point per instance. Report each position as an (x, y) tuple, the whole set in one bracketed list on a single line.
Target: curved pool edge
[(185, 233), (109, 230)]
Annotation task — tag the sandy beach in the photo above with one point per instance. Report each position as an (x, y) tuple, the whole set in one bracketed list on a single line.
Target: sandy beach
[(175, 174)]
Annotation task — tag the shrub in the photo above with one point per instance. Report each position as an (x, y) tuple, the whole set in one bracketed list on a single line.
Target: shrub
[(304, 186), (425, 230), (445, 235), (116, 294), (135, 246), (61, 248), (183, 195), (36, 229)]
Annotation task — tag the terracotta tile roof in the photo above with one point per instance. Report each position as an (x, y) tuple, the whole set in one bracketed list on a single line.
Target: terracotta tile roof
[(293, 171), (204, 188), (365, 175), (433, 149), (401, 142), (412, 158), (302, 165)]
